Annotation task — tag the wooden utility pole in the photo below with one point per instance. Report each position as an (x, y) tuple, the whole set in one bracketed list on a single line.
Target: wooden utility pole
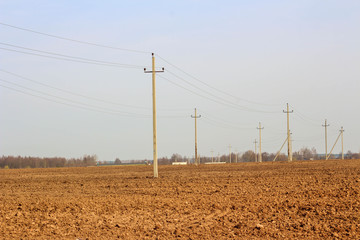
[(196, 156), (342, 143), (236, 156), (255, 151), (326, 125), (260, 156), (288, 132), (230, 153), (155, 160)]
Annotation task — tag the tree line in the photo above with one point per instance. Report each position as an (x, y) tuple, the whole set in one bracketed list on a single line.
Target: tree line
[(249, 156), (91, 160), (54, 162)]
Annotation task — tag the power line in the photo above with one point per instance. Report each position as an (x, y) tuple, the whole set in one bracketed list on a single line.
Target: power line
[(90, 97), (197, 94), (221, 124), (73, 40), (305, 118), (112, 112), (72, 93), (216, 89), (74, 60), (123, 65), (130, 50), (87, 106), (211, 99), (227, 122), (68, 104), (215, 96), (73, 57)]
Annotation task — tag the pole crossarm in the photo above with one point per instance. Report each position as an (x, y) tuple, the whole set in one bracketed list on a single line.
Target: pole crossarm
[(159, 71)]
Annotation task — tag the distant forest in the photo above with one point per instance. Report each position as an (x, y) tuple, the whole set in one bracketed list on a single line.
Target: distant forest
[(37, 162)]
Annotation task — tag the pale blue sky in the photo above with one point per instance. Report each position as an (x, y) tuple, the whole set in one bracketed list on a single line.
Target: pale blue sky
[(305, 53)]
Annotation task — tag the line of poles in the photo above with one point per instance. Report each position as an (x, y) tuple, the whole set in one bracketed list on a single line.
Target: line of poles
[(197, 161)]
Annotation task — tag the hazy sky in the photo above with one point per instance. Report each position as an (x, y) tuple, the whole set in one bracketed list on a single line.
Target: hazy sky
[(237, 62)]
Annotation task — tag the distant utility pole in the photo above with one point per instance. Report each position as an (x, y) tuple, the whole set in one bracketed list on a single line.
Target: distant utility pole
[(260, 157), (255, 151), (342, 143), (212, 155), (196, 156), (326, 125), (291, 144), (230, 153), (288, 132), (154, 115), (236, 156)]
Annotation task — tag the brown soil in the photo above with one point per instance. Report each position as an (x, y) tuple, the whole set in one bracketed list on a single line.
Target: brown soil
[(298, 200)]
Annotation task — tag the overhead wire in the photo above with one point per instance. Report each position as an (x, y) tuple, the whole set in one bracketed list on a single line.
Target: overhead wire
[(69, 104), (86, 96), (215, 96), (189, 90), (211, 99), (78, 59), (73, 102), (131, 50), (213, 88), (221, 124), (74, 59), (306, 118), (223, 101), (225, 121), (73, 40), (71, 92)]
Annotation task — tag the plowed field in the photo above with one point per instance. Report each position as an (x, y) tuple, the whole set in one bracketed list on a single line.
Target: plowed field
[(298, 200)]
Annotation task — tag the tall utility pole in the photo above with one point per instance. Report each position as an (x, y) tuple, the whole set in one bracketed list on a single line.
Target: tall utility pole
[(255, 151), (230, 153), (260, 157), (288, 132), (342, 143), (212, 155), (326, 125), (196, 156), (155, 160)]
